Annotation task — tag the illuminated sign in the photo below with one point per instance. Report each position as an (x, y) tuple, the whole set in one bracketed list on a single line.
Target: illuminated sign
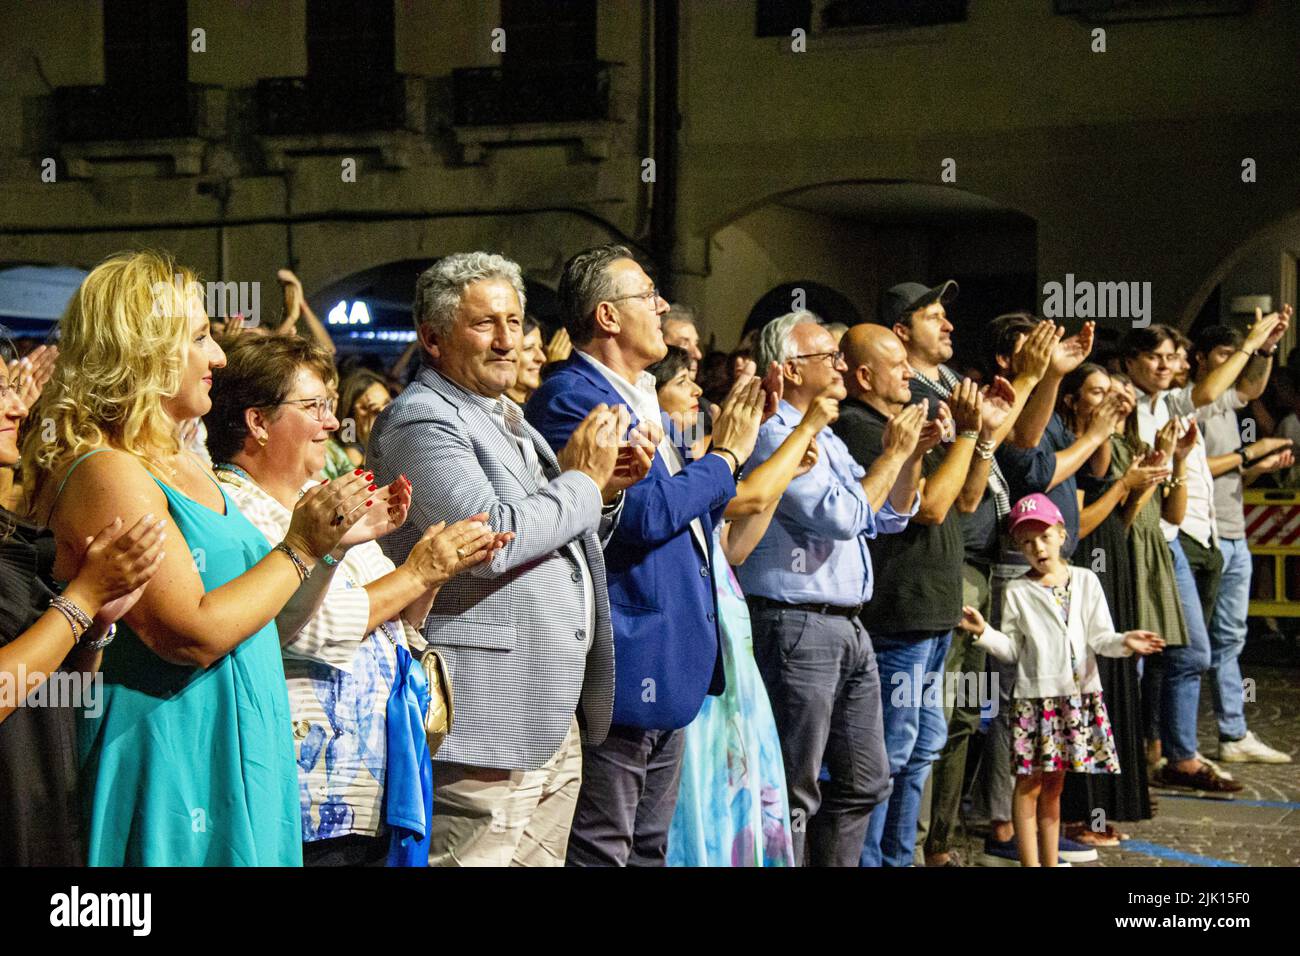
[(341, 315)]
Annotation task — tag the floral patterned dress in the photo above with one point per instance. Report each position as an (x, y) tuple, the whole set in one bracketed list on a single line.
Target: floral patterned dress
[(1054, 734), (732, 805)]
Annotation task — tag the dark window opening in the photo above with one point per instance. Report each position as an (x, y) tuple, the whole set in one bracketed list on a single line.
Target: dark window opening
[(778, 18), (889, 13)]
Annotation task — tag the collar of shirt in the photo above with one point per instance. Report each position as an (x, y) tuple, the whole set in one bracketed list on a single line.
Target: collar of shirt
[(641, 395)]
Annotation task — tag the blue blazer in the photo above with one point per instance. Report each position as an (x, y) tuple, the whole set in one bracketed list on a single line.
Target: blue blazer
[(662, 601)]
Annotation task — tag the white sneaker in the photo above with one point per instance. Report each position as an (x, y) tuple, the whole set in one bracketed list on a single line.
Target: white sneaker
[(1250, 749)]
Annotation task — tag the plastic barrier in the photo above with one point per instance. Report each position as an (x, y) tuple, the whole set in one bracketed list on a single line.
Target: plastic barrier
[(1273, 536)]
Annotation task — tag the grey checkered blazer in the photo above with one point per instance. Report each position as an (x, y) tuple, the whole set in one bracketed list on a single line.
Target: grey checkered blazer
[(515, 632)]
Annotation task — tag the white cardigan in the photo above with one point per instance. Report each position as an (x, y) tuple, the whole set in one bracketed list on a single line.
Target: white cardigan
[(1036, 640)]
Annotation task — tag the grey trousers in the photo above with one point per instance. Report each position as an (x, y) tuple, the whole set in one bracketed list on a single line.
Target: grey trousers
[(820, 672), (627, 800)]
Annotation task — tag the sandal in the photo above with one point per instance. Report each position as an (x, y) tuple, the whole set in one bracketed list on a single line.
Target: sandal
[(1080, 833)]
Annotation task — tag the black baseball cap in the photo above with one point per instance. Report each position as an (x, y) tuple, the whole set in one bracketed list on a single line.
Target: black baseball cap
[(906, 297)]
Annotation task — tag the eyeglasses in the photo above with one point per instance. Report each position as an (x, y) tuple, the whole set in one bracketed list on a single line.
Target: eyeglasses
[(835, 357), (317, 407), (650, 295)]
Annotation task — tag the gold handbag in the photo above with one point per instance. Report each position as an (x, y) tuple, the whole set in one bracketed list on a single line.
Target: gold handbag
[(438, 718)]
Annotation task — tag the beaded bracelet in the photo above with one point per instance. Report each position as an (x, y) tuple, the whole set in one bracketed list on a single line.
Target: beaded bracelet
[(78, 619)]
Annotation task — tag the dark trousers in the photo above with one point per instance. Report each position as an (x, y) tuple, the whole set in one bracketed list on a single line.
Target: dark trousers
[(965, 657), (820, 672), (627, 799)]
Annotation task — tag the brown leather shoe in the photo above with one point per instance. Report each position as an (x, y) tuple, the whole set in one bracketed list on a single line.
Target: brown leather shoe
[(1204, 781)]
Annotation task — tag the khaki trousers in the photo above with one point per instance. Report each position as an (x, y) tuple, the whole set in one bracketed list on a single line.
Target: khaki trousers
[(488, 817)]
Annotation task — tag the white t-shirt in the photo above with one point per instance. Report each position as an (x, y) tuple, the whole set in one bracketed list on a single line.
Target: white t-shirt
[(1199, 519)]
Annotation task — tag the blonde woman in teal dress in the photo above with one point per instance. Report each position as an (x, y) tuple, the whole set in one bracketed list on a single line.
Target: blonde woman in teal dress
[(188, 758), (732, 805)]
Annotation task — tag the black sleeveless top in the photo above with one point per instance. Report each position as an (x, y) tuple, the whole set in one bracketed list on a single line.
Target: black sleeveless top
[(40, 821)]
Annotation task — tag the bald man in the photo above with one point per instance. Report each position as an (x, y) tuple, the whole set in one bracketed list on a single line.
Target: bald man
[(919, 568)]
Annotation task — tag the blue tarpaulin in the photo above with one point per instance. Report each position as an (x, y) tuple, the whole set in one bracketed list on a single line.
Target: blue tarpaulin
[(32, 298)]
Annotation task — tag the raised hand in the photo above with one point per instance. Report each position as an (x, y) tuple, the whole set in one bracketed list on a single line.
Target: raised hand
[(593, 446), (1142, 473), (293, 298), (392, 504), (634, 458), (1274, 462), (1033, 353), (933, 432), (972, 620), (1187, 441), (117, 564), (966, 405), (1144, 642), (1267, 330), (1070, 353), (1103, 419), (560, 347), (30, 373), (773, 389), (444, 550), (824, 409), (903, 431), (326, 512), (996, 401), (736, 428)]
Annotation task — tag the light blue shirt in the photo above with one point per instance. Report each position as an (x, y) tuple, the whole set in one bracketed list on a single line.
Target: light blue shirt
[(815, 550)]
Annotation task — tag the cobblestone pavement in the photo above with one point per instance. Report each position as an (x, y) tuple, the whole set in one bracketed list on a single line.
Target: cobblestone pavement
[(1259, 827)]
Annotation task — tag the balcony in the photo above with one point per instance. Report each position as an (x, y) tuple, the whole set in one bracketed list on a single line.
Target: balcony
[(101, 125), (1113, 11), (552, 102), (305, 115)]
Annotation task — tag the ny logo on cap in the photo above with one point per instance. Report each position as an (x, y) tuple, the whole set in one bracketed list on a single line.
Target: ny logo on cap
[(1028, 505)]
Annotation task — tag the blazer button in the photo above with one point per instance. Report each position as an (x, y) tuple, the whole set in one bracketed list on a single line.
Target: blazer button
[(580, 634), (711, 616), (300, 729), (576, 576), (704, 572)]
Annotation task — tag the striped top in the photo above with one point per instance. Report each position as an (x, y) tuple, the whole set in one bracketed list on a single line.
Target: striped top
[(339, 681)]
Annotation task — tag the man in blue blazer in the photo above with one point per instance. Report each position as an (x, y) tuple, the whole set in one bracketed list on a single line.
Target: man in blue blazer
[(657, 562)]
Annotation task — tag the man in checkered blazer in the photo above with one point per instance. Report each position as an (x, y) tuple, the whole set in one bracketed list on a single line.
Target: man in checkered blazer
[(527, 636)]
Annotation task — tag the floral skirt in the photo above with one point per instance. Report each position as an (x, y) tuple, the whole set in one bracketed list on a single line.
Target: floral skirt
[(1062, 733)]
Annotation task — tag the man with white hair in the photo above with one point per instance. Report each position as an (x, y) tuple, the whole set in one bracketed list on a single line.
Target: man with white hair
[(806, 583), (527, 637)]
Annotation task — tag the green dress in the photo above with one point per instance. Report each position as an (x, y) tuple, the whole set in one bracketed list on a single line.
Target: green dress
[(187, 766), (1158, 608)]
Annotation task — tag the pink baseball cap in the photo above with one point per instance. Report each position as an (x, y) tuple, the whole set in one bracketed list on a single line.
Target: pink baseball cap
[(1036, 508)]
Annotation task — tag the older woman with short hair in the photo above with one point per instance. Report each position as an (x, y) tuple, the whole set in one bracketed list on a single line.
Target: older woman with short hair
[(272, 413)]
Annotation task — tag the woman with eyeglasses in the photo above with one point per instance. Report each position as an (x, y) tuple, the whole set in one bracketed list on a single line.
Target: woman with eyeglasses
[(186, 757), (344, 634)]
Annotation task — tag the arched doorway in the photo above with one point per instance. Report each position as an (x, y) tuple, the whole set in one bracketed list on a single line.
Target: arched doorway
[(851, 240)]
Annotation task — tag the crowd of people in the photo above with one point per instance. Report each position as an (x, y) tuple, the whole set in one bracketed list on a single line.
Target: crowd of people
[(605, 598)]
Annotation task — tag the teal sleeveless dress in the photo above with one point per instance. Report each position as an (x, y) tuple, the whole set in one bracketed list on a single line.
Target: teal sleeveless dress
[(187, 766)]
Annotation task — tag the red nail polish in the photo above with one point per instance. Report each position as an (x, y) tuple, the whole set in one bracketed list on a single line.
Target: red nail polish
[(357, 472), (370, 477), (371, 488), (369, 503), (325, 482)]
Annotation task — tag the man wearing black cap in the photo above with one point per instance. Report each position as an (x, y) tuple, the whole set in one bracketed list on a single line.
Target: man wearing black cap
[(919, 318)]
